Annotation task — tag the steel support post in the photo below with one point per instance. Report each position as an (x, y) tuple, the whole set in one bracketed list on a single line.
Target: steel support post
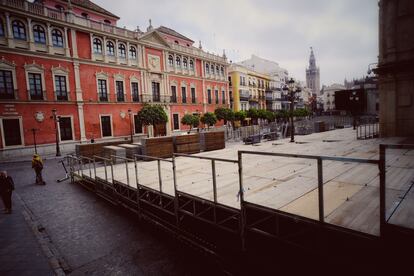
[(159, 174), (320, 190), (177, 218), (213, 171), (241, 197), (127, 172), (382, 189)]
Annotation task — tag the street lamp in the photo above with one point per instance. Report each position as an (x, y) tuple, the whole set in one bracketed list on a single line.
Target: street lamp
[(353, 98), (292, 89), (55, 118), (130, 123), (34, 137)]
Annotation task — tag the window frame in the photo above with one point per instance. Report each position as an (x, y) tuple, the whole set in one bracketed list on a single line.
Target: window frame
[(120, 87), (101, 76), (97, 47), (2, 30), (110, 48), (185, 63), (57, 35), (183, 94), (4, 78), (38, 33), (19, 29), (3, 140), (132, 54), (171, 60), (61, 72), (121, 50), (193, 95), (132, 91), (173, 95), (179, 123), (178, 61), (156, 97), (209, 98), (216, 96), (191, 64), (223, 96)]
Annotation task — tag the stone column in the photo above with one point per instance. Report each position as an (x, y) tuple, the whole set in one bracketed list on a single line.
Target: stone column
[(66, 42), (74, 44), (49, 39), (9, 31), (30, 33), (79, 100)]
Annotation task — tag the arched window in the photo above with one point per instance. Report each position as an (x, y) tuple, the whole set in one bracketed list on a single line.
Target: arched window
[(222, 70), (178, 61), (132, 52), (170, 60), (121, 50), (57, 38), (97, 46), (19, 30), (207, 68), (212, 69), (217, 70), (110, 48), (191, 64), (39, 34), (106, 21), (185, 64), (1, 28)]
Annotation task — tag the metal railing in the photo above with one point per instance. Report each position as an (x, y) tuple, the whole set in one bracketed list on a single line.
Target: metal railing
[(367, 128)]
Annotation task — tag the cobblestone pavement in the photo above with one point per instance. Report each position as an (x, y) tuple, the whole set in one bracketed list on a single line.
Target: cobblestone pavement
[(95, 238)]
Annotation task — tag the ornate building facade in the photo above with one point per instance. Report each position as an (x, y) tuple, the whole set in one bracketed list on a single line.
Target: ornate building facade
[(312, 75), (71, 57)]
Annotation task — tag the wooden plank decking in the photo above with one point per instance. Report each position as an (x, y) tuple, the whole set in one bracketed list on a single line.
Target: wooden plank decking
[(290, 184)]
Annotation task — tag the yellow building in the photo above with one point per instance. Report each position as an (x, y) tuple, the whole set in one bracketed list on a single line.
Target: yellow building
[(247, 88)]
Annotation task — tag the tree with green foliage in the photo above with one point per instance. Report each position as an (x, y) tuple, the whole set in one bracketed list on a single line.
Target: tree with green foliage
[(270, 116), (190, 120), (152, 115), (262, 114), (301, 112), (253, 113), (240, 116), (224, 113), (209, 119)]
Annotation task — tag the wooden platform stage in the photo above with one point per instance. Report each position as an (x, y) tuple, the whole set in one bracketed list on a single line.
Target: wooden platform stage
[(351, 190)]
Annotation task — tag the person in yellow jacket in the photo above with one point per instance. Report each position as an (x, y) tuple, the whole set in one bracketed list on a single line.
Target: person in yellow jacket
[(37, 165)]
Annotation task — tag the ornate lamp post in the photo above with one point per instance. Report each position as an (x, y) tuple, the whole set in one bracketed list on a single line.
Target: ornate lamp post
[(130, 124), (353, 98), (292, 89), (55, 118)]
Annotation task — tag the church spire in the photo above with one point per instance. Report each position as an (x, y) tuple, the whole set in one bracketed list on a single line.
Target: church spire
[(312, 61)]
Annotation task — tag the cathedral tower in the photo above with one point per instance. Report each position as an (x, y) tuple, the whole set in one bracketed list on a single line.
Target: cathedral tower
[(312, 75)]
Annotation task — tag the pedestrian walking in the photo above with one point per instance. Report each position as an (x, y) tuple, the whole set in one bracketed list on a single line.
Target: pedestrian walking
[(37, 165), (6, 190)]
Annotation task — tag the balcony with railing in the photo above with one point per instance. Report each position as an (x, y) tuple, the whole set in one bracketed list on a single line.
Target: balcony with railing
[(244, 95), (155, 98), (41, 10)]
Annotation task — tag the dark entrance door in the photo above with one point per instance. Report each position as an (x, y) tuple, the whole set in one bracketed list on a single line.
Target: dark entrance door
[(160, 130)]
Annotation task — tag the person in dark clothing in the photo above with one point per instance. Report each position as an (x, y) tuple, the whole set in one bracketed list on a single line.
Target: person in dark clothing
[(6, 190), (37, 165)]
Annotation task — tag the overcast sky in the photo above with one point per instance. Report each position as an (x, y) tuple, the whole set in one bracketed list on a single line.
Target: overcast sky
[(343, 33)]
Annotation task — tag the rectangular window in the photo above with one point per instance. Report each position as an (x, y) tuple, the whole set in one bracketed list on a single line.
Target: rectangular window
[(65, 127), (156, 97), (61, 90), (102, 91), (193, 95), (106, 126), (35, 86), (173, 94), (11, 132), (6, 85), (223, 97), (183, 95), (134, 91), (216, 96), (137, 125), (120, 97), (176, 122), (209, 96)]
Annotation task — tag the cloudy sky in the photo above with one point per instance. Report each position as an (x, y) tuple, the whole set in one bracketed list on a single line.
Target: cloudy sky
[(343, 33)]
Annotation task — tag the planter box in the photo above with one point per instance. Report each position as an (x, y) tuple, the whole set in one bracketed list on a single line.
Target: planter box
[(161, 147), (189, 143)]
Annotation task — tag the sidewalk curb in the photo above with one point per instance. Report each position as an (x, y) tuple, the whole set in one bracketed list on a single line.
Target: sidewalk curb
[(56, 261)]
